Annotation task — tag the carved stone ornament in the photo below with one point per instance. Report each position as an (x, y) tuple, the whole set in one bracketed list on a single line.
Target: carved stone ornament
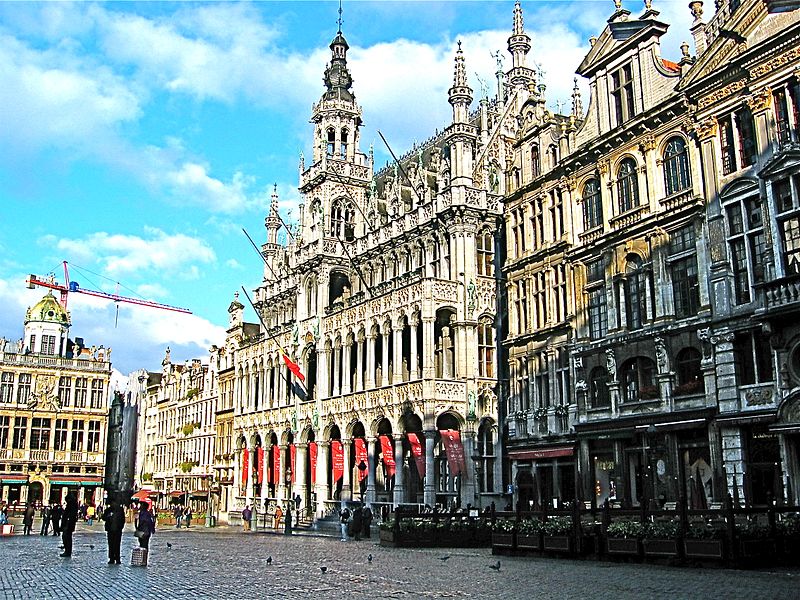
[(661, 355), (758, 397), (760, 100), (706, 129)]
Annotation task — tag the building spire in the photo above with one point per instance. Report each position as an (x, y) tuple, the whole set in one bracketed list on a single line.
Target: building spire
[(519, 44), (519, 26), (577, 105), (460, 95), (339, 21), (273, 221)]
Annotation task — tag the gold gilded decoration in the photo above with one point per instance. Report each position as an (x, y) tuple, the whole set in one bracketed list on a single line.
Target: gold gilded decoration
[(707, 128), (721, 93), (775, 63), (760, 100)]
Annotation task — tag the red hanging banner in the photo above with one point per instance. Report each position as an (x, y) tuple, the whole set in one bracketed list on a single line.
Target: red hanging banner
[(451, 439), (417, 452), (292, 456), (259, 466), (337, 458), (276, 465), (388, 454), (361, 455), (312, 453), (245, 465)]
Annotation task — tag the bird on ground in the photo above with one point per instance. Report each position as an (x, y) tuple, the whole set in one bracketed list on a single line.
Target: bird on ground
[(169, 545), (443, 558), (323, 569), (269, 560), (369, 558), (495, 567), (91, 546)]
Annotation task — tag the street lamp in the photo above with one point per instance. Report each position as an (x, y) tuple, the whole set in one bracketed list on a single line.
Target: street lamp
[(362, 467)]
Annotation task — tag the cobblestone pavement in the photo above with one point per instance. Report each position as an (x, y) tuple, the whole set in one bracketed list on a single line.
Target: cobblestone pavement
[(227, 563)]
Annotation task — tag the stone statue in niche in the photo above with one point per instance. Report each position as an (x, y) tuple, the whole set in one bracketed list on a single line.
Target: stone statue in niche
[(661, 355), (611, 363)]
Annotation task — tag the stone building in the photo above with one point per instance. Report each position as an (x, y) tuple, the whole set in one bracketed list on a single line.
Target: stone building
[(53, 411)]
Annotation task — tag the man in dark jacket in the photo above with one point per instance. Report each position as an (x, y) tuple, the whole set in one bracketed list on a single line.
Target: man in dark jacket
[(68, 520), (55, 517), (45, 521), (27, 519), (114, 517)]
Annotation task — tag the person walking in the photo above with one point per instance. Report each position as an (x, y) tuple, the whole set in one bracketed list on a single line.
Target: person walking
[(355, 526), (288, 519), (178, 516), (55, 517), (188, 516), (278, 516), (297, 501), (344, 518), (90, 512), (27, 519), (68, 520), (114, 517), (247, 515), (45, 514), (366, 521), (145, 526)]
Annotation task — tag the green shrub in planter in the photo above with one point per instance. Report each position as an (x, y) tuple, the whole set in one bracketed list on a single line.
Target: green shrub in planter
[(557, 526), (530, 527), (789, 526), (662, 530), (626, 530), (705, 531), (752, 531), (505, 526)]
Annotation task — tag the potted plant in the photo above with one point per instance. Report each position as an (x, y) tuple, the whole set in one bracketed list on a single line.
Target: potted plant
[(557, 535), (386, 532), (624, 537), (529, 534), (503, 534), (755, 540), (661, 539), (704, 541), (789, 532)]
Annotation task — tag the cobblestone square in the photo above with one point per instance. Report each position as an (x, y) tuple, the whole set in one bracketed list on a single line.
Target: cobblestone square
[(227, 563)]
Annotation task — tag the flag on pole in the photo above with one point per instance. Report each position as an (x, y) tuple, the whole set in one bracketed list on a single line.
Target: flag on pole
[(293, 366)]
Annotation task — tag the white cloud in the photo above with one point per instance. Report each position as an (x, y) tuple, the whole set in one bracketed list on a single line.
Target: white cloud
[(232, 263)]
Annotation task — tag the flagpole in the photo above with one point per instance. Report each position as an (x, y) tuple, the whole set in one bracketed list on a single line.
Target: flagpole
[(264, 258)]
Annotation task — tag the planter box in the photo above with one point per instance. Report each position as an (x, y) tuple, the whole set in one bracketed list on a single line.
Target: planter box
[(714, 549), (558, 543), (623, 546), (759, 549), (386, 535), (529, 542), (502, 539), (660, 547)]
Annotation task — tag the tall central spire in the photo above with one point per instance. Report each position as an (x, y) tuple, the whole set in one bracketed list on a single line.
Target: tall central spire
[(337, 77), (460, 95)]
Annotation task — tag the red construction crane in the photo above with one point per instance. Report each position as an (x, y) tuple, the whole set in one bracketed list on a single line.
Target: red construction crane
[(72, 286)]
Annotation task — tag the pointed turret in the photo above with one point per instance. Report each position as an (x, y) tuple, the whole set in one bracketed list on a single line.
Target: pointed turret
[(273, 220), (460, 95), (577, 105), (519, 44)]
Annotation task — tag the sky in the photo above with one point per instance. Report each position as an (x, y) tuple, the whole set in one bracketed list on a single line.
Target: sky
[(138, 139)]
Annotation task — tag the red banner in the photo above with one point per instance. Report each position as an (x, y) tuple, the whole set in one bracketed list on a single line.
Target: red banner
[(454, 449), (259, 464), (417, 452), (387, 450), (312, 453), (292, 456), (245, 465), (361, 455), (276, 465), (337, 458)]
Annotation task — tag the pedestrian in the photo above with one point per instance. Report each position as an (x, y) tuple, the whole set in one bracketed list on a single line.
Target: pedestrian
[(247, 515), (145, 526), (366, 521), (297, 501), (188, 517), (90, 512), (178, 516), (278, 516), (68, 520), (45, 521), (344, 518), (288, 521), (55, 517), (357, 523), (27, 519), (114, 517)]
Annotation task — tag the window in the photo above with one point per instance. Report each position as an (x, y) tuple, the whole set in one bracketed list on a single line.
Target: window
[(7, 387), (522, 307), (49, 344), (638, 379), (81, 384), (524, 385), (93, 438), (627, 185), (552, 153), (96, 399), (556, 214), (76, 440), (747, 245), (331, 142), (541, 289), (542, 380), (23, 388), (727, 145), (782, 116), (635, 288), (537, 221), (676, 166), (682, 263), (40, 434), (592, 205), (596, 299), (752, 357), (5, 424), (64, 390), (485, 253), (20, 433), (785, 193), (560, 293), (487, 458), (562, 375), (689, 374), (60, 441), (343, 144), (518, 227), (485, 348), (32, 346), (536, 168), (747, 136), (599, 396), (622, 94)]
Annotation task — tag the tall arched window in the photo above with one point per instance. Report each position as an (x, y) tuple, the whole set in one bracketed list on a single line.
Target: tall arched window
[(337, 218), (689, 373), (343, 144), (627, 185), (676, 166), (638, 379), (598, 388), (342, 218), (592, 205), (635, 288), (487, 457), (331, 146), (536, 161), (485, 347), (485, 253)]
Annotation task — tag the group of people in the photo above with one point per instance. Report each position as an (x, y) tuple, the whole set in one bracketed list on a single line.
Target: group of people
[(356, 523), (183, 515), (51, 517)]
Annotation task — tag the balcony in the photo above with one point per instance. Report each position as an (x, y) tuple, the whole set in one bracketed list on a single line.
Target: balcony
[(780, 295)]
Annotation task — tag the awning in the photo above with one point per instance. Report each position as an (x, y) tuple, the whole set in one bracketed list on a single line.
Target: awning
[(177, 493), (14, 480), (199, 494), (542, 453), (83, 480), (145, 494)]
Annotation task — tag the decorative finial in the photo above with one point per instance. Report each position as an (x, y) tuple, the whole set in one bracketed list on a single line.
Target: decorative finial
[(339, 21), (577, 105), (697, 10), (685, 50), (648, 4), (618, 4), (519, 26)]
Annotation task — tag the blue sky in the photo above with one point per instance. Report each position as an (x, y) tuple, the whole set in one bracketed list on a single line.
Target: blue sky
[(137, 139)]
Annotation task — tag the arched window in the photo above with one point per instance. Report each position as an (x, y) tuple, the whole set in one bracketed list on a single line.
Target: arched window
[(485, 253), (676, 166), (349, 222), (536, 162), (638, 379), (627, 185), (331, 142), (310, 303), (343, 144), (486, 452), (598, 388), (592, 205), (342, 218), (635, 288), (485, 347), (690, 376), (552, 152), (337, 218)]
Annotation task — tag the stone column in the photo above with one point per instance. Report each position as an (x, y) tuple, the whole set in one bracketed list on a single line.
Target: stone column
[(430, 475), (322, 372), (370, 495), (360, 365), (301, 475), (369, 381), (322, 476), (399, 483), (414, 366), (264, 470), (428, 353), (249, 487), (385, 362), (347, 488), (336, 363), (397, 359), (346, 359)]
